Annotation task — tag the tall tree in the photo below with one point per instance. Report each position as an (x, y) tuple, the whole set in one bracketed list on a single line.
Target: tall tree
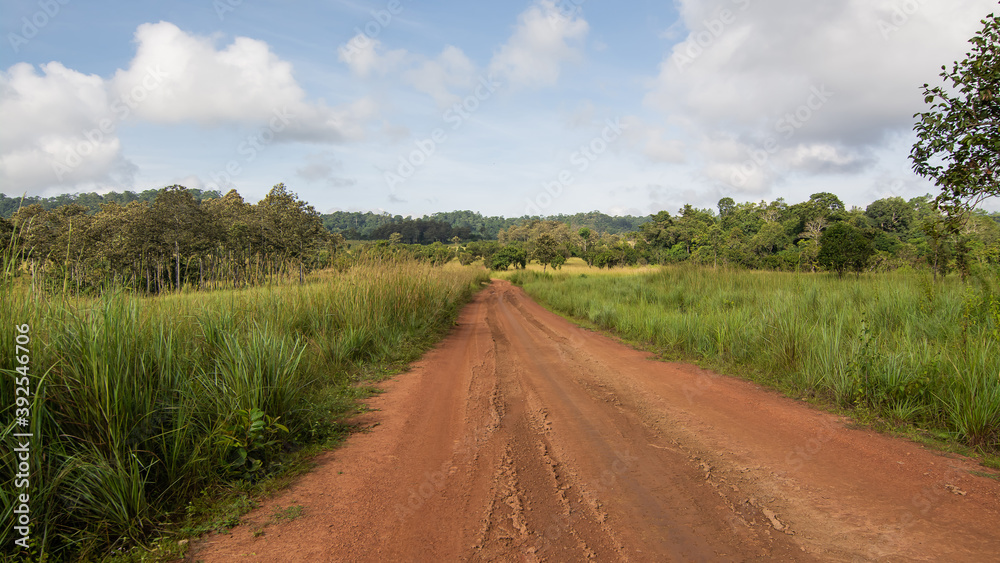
[(184, 225), (958, 138), (844, 246), (545, 249), (292, 229), (892, 215)]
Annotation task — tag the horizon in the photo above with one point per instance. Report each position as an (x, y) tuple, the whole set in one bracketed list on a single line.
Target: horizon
[(713, 209)]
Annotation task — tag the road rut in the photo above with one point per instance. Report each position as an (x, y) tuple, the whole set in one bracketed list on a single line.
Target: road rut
[(523, 437)]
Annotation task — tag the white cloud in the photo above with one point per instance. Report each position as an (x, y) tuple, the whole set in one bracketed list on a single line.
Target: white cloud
[(749, 73), (543, 40), (244, 82), (652, 142), (437, 77), (50, 132), (326, 168), (825, 158), (197, 82), (365, 56), (60, 126)]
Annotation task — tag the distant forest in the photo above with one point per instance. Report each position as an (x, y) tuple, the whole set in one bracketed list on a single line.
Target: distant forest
[(466, 225), (165, 239), (357, 225)]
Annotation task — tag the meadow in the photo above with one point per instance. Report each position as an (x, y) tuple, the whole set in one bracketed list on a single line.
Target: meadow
[(898, 348), (142, 406)]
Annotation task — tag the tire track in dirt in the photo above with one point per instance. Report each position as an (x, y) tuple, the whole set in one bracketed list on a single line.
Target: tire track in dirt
[(525, 438)]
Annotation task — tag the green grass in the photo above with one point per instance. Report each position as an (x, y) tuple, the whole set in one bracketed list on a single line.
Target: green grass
[(896, 346), (136, 401)]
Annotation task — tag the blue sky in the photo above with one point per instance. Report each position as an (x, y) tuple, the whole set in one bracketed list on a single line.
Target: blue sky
[(506, 108)]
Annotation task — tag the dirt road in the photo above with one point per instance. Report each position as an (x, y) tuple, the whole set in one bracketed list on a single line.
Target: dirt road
[(525, 438)]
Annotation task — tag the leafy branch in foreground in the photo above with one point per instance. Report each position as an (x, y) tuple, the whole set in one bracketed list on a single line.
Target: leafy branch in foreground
[(958, 138)]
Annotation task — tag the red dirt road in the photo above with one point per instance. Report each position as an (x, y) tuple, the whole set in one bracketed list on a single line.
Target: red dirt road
[(522, 437)]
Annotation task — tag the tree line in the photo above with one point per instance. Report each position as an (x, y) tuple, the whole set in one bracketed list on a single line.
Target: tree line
[(91, 201), (178, 237), (816, 234), (355, 225), (170, 242), (376, 226)]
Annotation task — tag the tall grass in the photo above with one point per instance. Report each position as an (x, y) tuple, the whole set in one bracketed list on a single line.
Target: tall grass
[(897, 344), (138, 401)]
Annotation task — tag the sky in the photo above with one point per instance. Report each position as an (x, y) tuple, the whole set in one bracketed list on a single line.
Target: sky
[(506, 108)]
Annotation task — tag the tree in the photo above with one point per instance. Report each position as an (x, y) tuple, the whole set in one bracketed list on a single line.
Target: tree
[(510, 255), (958, 138), (825, 203), (584, 234), (769, 239), (545, 249), (658, 232), (844, 246), (6, 234), (180, 218), (892, 215), (726, 206), (291, 228)]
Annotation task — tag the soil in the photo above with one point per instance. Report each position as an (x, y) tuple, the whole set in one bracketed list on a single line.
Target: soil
[(523, 437)]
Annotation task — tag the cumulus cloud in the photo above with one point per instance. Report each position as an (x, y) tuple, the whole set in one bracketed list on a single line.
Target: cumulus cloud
[(366, 56), (200, 83), (543, 40), (746, 79), (244, 82), (439, 76), (61, 126), (51, 132)]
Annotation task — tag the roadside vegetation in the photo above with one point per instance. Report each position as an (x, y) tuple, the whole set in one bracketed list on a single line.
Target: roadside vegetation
[(897, 346), (147, 409)]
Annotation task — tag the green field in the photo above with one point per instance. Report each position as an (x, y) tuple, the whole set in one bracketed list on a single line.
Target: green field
[(141, 406), (147, 410), (896, 347)]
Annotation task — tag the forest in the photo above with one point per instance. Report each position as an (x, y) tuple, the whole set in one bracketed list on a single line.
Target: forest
[(176, 237), (365, 225), (810, 236), (172, 241)]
